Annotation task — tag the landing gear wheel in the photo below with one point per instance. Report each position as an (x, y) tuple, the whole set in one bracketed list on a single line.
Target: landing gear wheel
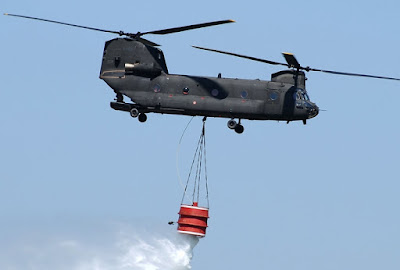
[(134, 112), (239, 129), (232, 124), (142, 117)]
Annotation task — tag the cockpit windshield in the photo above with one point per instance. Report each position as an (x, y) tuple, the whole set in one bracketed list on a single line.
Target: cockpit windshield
[(301, 95)]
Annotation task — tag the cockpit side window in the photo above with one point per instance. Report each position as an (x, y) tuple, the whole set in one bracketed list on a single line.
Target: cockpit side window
[(297, 95)]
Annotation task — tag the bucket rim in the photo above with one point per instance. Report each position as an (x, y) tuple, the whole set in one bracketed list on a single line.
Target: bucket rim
[(192, 233), (194, 207)]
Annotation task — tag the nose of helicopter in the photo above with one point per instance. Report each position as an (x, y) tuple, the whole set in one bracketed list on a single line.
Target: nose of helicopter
[(313, 110)]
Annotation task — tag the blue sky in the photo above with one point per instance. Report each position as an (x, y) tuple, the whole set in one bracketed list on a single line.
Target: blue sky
[(320, 196)]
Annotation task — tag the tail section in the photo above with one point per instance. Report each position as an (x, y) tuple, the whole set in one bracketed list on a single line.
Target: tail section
[(124, 56)]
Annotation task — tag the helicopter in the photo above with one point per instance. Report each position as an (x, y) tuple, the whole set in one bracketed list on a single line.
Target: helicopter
[(135, 68)]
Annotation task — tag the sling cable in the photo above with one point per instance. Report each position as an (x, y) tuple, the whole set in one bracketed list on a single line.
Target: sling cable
[(192, 217)]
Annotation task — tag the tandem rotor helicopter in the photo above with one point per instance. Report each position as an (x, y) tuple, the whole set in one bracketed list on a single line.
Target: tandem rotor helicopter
[(135, 68)]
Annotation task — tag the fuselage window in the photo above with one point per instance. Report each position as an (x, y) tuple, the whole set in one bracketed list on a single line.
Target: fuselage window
[(273, 96), (156, 88), (244, 94), (185, 91), (214, 92)]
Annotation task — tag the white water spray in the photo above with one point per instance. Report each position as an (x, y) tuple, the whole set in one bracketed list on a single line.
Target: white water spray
[(122, 248)]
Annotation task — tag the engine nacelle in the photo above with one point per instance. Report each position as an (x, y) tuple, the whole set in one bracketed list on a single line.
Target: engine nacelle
[(144, 70)]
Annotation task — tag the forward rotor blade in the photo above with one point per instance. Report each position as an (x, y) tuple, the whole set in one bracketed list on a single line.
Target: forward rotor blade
[(68, 24), (293, 63), (291, 60), (185, 28), (352, 74), (243, 56)]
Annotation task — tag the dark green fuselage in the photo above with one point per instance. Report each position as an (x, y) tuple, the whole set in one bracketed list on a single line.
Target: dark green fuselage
[(139, 71)]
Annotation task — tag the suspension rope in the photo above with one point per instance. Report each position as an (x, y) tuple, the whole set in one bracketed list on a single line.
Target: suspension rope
[(198, 170), (205, 163), (199, 156), (178, 151), (191, 169)]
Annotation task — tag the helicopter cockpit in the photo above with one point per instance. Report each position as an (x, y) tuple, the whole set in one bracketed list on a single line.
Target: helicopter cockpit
[(301, 94), (303, 102)]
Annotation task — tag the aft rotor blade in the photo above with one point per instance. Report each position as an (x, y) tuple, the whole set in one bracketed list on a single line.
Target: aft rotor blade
[(185, 28), (68, 24), (242, 56), (145, 41)]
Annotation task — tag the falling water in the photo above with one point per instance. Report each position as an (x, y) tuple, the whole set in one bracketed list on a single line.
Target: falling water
[(119, 247)]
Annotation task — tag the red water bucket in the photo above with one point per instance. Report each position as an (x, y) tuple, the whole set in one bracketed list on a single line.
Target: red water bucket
[(193, 220)]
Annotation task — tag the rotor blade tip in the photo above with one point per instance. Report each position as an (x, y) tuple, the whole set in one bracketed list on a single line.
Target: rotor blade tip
[(6, 14), (232, 20), (286, 53)]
